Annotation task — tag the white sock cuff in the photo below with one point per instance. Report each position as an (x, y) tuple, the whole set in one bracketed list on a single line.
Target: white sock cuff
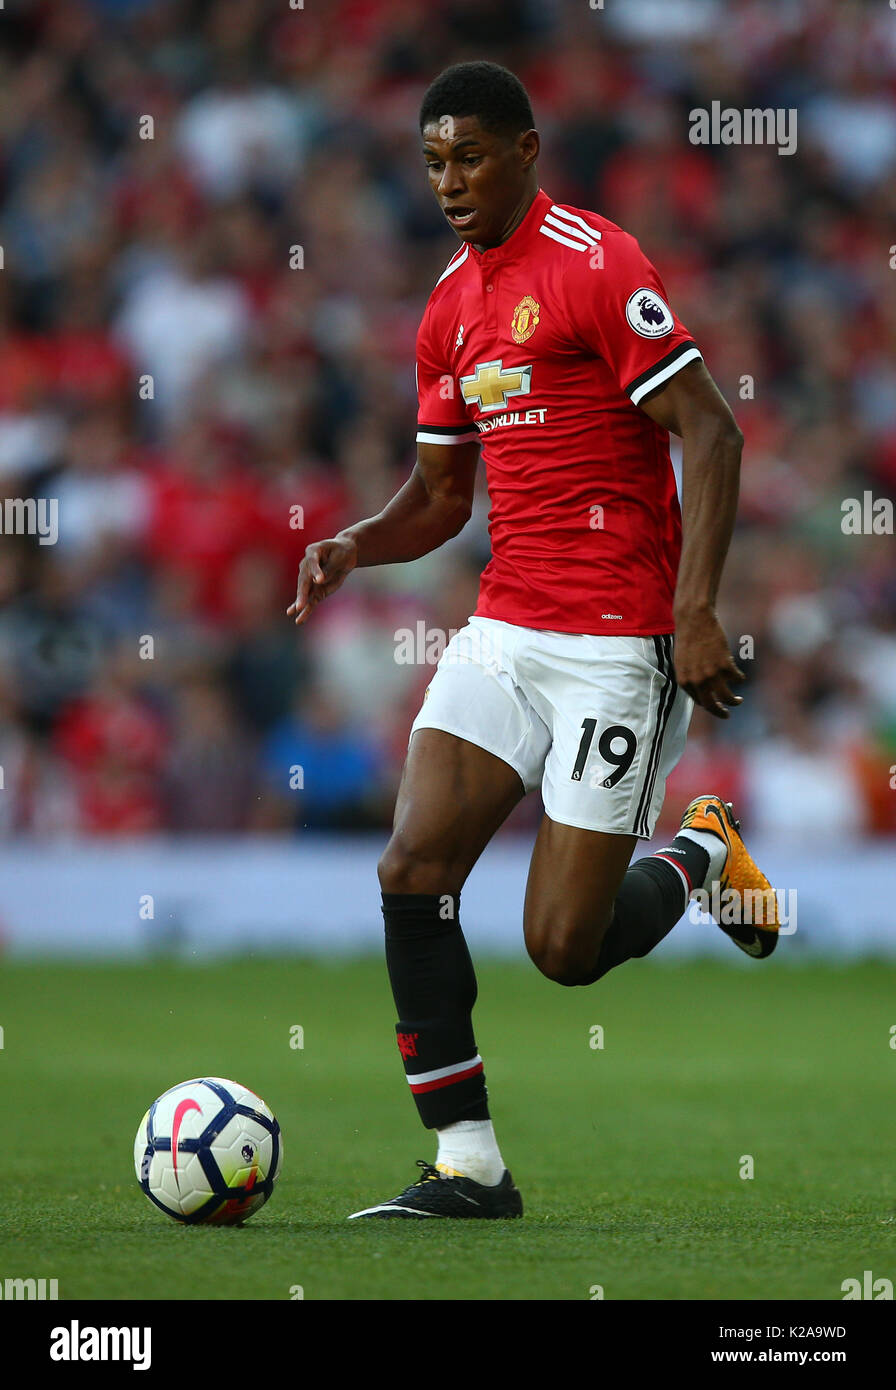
[(466, 1127), (716, 849)]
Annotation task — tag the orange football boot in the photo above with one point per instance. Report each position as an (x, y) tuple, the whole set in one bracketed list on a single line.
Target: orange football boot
[(743, 903)]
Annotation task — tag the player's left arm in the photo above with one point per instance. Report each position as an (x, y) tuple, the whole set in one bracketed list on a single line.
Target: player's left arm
[(691, 405)]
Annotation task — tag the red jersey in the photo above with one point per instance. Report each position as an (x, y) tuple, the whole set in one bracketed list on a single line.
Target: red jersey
[(542, 348)]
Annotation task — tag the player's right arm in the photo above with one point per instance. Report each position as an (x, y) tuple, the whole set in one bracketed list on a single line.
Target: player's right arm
[(434, 505)]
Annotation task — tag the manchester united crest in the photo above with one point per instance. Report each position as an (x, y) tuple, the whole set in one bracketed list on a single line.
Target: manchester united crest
[(525, 319)]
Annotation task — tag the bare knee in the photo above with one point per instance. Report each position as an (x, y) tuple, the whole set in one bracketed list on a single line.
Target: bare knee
[(566, 951), (408, 867)]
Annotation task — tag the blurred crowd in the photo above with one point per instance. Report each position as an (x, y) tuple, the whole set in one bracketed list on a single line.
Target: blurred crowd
[(218, 240)]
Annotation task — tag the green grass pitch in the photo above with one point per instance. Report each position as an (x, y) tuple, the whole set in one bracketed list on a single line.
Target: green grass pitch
[(628, 1156)]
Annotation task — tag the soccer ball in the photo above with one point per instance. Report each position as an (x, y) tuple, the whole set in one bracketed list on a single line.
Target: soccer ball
[(208, 1151)]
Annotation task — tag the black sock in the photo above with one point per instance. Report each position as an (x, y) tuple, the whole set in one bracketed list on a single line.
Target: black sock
[(434, 988), (691, 858), (650, 901)]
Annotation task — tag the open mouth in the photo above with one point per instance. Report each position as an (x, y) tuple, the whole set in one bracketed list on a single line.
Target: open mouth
[(460, 216)]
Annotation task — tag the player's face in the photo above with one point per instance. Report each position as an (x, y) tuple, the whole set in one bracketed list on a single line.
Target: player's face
[(483, 182)]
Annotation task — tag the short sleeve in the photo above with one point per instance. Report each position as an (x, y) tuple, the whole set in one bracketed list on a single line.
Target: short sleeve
[(624, 316), (440, 417)]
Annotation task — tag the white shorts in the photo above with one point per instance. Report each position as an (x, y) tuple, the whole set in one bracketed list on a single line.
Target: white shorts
[(598, 721)]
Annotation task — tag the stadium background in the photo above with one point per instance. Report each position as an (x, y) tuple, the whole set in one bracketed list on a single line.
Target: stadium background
[(175, 257), (147, 824)]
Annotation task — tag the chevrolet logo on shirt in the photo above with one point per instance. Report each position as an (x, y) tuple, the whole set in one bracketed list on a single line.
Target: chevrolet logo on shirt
[(492, 386)]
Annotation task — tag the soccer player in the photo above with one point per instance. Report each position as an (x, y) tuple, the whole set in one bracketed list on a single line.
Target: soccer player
[(549, 342)]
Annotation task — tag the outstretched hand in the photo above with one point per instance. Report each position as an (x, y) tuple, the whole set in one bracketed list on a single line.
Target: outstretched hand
[(324, 568)]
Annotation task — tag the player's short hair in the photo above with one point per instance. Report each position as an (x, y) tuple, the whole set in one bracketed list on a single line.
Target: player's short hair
[(494, 95)]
